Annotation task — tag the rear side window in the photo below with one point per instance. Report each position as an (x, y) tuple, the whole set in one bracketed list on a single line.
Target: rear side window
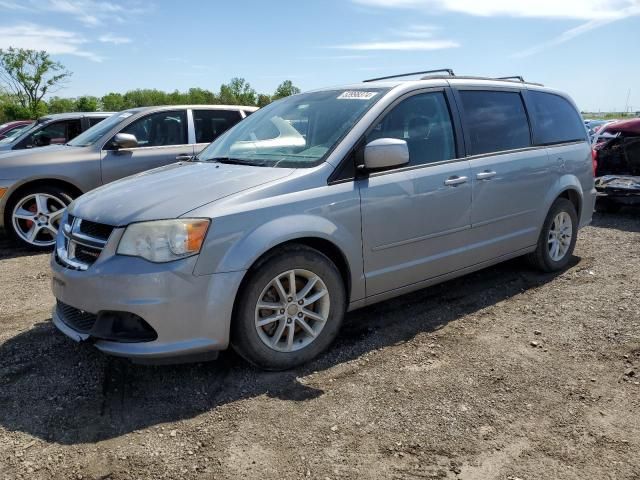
[(495, 121), (424, 122), (556, 121), (210, 124)]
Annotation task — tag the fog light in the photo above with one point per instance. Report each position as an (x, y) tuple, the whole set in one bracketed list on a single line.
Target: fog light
[(123, 327)]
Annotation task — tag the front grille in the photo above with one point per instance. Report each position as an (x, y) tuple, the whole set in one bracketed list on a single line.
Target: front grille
[(96, 230), (82, 242), (75, 318)]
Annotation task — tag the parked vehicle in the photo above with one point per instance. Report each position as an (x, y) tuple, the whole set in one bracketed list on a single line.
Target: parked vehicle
[(594, 125), (616, 152), (35, 186), (55, 129), (398, 185), (11, 129)]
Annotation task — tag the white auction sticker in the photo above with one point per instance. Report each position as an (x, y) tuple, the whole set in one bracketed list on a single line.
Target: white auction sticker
[(357, 95)]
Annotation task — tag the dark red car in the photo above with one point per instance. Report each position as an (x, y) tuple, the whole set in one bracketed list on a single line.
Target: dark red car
[(11, 128), (616, 155)]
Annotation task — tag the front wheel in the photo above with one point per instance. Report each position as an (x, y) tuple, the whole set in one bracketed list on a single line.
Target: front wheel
[(32, 217), (558, 237), (290, 309)]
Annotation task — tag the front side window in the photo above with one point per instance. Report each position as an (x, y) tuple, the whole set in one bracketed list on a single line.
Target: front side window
[(556, 120), (160, 129), (295, 132), (55, 133), (210, 124), (495, 121), (424, 122)]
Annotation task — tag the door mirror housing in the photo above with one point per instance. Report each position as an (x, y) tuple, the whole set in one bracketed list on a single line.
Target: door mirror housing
[(124, 140), (386, 153)]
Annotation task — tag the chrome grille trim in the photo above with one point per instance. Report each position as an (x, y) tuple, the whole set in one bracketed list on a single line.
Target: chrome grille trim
[(72, 238)]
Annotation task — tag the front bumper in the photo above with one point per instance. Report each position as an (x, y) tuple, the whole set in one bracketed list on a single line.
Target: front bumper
[(191, 314)]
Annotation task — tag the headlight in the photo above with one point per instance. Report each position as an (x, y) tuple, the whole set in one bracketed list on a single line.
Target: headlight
[(164, 240)]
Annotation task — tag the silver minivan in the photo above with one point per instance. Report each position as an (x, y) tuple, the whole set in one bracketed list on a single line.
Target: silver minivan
[(318, 204), (36, 185)]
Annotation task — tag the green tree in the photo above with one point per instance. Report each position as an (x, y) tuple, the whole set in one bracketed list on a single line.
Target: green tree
[(29, 75), (145, 98), (113, 102), (61, 105), (263, 100), (237, 92), (87, 104), (200, 96), (285, 89)]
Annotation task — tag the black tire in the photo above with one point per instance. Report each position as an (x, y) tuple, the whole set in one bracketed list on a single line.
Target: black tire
[(541, 257), (245, 338), (607, 205), (60, 194)]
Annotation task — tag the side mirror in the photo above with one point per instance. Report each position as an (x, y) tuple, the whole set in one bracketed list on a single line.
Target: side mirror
[(125, 140), (41, 140), (386, 153)]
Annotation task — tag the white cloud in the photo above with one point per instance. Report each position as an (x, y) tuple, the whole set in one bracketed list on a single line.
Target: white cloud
[(37, 37), (405, 45), (568, 9), (115, 39), (91, 13), (597, 13)]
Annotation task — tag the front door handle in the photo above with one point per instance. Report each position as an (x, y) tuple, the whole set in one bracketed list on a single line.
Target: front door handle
[(486, 175), (183, 157), (455, 180)]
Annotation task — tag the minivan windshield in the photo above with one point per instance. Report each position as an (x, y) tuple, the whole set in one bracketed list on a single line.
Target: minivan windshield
[(95, 133), (295, 132)]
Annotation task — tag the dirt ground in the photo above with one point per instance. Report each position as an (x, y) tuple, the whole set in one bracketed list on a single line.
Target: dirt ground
[(504, 374)]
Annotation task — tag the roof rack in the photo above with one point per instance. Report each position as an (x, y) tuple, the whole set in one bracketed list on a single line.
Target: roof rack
[(513, 77), (448, 70)]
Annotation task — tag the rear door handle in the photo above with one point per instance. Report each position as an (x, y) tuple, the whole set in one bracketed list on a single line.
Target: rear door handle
[(486, 175), (455, 180), (183, 157)]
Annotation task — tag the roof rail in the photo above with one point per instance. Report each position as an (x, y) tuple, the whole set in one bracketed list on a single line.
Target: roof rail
[(448, 70), (513, 77)]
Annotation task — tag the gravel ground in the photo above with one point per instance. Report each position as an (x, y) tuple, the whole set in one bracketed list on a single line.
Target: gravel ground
[(503, 374)]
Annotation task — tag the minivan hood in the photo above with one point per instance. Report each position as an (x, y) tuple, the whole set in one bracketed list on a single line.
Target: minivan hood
[(169, 191)]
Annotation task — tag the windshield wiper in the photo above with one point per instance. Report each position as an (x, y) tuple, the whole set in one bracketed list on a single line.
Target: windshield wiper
[(232, 161)]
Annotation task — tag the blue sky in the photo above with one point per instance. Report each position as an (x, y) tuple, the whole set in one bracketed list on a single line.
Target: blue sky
[(585, 47)]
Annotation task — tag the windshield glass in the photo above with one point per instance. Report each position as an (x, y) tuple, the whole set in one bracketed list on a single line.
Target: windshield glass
[(95, 133), (294, 132), (21, 133), (15, 133)]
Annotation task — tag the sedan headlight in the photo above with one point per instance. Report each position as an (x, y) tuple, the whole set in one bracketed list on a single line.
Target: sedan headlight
[(164, 240)]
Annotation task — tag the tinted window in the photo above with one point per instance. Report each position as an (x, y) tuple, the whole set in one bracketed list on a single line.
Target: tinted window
[(495, 121), (424, 122), (160, 129), (556, 120), (94, 121), (210, 124), (53, 134)]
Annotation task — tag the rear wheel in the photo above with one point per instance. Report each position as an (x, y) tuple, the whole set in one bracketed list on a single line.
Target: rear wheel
[(289, 310), (558, 237), (32, 217)]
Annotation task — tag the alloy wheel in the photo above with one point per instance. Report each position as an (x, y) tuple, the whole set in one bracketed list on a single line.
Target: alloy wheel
[(292, 310), (36, 219), (560, 235)]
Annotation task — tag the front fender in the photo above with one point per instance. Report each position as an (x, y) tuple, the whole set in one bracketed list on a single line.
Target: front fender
[(243, 249)]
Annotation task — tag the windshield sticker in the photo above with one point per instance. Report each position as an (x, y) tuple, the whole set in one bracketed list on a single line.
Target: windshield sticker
[(125, 115), (357, 95)]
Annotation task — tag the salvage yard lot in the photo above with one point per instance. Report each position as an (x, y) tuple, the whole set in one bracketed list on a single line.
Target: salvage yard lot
[(505, 374)]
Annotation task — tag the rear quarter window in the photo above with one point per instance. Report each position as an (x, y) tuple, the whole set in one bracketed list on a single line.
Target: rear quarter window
[(556, 120)]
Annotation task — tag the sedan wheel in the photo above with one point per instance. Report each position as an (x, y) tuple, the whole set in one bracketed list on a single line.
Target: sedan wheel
[(36, 218), (560, 236)]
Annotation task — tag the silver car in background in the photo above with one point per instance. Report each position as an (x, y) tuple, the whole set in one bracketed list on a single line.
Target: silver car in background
[(264, 244), (36, 185), (56, 129)]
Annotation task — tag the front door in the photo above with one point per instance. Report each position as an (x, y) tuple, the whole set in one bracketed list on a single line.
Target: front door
[(162, 139), (415, 219)]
